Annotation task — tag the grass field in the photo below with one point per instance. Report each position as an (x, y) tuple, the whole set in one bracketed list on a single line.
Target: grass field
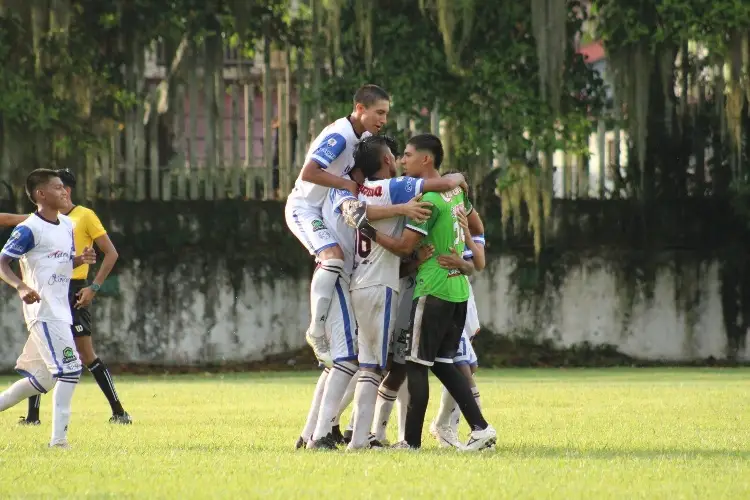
[(617, 433)]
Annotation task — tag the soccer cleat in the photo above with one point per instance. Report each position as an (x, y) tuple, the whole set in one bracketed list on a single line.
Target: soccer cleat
[(301, 443), (481, 440), (25, 421), (324, 443), (375, 443), (321, 349), (122, 419), (337, 436), (445, 436), (63, 444)]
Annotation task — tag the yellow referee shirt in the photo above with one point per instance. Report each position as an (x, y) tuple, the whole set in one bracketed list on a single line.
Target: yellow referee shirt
[(86, 228)]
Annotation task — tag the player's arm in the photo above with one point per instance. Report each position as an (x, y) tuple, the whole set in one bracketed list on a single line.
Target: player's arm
[(403, 246), (455, 261), (474, 244), (314, 171), (10, 220), (412, 209), (20, 242), (418, 258), (442, 184)]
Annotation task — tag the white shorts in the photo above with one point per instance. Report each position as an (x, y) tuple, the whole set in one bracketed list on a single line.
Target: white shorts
[(306, 223), (403, 318), (341, 325), (49, 348), (465, 354), (375, 307), (472, 317)]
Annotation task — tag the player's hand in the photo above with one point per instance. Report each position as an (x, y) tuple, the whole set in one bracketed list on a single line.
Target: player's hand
[(88, 256), (85, 297), (425, 252), (28, 295), (463, 221), (450, 261), (352, 187), (418, 211), (465, 188)]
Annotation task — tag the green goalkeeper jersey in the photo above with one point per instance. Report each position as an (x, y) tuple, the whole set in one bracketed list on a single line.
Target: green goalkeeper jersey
[(444, 233)]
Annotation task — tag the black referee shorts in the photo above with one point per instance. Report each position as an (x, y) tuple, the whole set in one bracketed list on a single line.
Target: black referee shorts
[(81, 317), (435, 330)]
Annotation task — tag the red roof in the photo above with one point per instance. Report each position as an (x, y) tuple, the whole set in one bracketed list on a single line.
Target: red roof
[(592, 52)]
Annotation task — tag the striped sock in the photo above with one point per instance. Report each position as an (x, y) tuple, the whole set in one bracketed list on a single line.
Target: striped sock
[(102, 376)]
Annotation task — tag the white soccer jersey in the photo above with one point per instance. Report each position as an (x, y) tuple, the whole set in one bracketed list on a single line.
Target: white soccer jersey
[(333, 150), (340, 231), (45, 250), (373, 264)]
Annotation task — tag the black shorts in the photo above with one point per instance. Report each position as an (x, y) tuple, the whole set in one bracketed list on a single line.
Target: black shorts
[(435, 330), (81, 317)]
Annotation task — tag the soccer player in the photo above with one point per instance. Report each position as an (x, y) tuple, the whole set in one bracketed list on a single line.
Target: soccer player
[(375, 282), (341, 213), (328, 160), (43, 243), (445, 426), (440, 300), (87, 230)]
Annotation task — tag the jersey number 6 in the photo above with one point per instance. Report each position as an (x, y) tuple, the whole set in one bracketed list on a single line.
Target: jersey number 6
[(364, 245)]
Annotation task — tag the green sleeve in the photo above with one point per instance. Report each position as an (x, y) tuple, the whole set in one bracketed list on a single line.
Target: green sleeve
[(468, 207), (424, 227)]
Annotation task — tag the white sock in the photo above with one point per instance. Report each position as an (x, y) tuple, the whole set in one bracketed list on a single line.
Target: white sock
[(19, 391), (403, 403), (61, 401), (312, 415), (346, 400), (447, 407), (383, 408), (321, 293), (364, 401), (338, 379), (475, 393)]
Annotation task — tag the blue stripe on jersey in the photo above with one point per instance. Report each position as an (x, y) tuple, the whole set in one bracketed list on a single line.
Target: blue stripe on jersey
[(403, 189), (32, 380), (329, 149), (347, 320), (386, 326), (51, 349)]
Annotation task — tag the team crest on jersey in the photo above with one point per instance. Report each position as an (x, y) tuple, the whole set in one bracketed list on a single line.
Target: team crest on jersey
[(331, 142), (318, 225), (69, 355)]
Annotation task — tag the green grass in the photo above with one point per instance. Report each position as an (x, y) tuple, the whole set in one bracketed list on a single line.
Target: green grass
[(618, 433)]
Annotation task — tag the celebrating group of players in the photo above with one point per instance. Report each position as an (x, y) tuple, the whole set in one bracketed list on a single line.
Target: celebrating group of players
[(390, 294)]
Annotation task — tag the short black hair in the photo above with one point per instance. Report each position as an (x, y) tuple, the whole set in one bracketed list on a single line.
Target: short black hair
[(38, 178), (367, 154), (431, 144), (67, 177), (369, 94)]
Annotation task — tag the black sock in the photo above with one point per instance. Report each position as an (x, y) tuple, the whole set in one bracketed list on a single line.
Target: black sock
[(34, 402), (419, 395), (459, 388), (102, 376)]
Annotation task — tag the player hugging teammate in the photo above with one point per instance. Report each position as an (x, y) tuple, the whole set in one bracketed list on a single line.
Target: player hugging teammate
[(374, 282)]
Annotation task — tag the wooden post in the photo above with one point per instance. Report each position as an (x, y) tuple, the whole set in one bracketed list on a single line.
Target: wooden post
[(267, 117), (601, 145), (235, 114), (249, 107), (153, 136), (179, 128), (209, 133), (193, 140)]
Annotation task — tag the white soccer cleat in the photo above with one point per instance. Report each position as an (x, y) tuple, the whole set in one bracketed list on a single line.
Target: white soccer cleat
[(63, 444), (481, 440), (445, 436), (321, 349)]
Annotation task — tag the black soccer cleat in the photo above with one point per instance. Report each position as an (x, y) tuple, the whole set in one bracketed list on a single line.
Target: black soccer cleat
[(374, 443), (337, 436), (121, 419), (348, 436), (301, 443), (25, 421), (324, 443)]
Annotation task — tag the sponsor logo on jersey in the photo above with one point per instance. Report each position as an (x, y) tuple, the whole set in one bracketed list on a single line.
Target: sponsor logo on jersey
[(331, 142), (377, 191), (57, 278), (448, 195), (59, 256)]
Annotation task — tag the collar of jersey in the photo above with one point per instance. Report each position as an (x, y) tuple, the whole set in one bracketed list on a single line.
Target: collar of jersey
[(54, 223)]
